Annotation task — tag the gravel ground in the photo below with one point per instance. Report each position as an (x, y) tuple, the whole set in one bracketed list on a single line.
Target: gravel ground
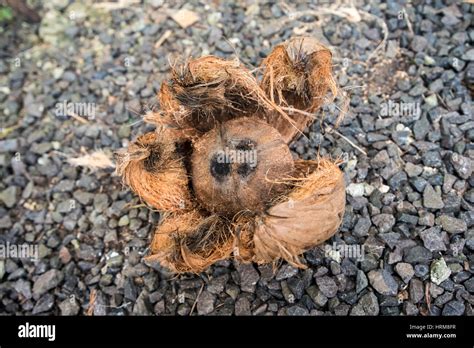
[(409, 177)]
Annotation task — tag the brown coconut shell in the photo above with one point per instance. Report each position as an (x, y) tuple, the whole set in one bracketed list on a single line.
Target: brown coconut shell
[(298, 74), (151, 167), (191, 242), (310, 214), (248, 181)]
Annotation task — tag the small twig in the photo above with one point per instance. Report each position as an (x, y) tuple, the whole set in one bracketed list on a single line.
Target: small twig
[(163, 38), (352, 87), (197, 298), (110, 6), (78, 118), (384, 27), (443, 102), (332, 130), (92, 298), (291, 110), (135, 123), (427, 296), (410, 28), (271, 84)]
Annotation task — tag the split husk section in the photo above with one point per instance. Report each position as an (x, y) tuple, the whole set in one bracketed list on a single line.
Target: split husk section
[(309, 215), (298, 75), (214, 212), (153, 169), (191, 242)]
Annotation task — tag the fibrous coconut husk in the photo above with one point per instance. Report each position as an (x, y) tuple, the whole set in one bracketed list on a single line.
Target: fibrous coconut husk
[(151, 167), (275, 210), (209, 90), (310, 214), (191, 242), (298, 74), (235, 165)]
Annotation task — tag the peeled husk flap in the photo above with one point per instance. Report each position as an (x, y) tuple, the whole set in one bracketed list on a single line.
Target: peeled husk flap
[(191, 242), (206, 91), (153, 170), (310, 214), (298, 74)]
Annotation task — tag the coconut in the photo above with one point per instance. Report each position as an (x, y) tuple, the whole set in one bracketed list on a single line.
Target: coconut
[(307, 216), (191, 242), (237, 166), (246, 195), (152, 168), (298, 74)]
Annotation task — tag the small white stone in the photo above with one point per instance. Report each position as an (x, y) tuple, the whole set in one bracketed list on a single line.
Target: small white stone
[(334, 254), (368, 189), (429, 171), (400, 127), (439, 271), (355, 190), (384, 188)]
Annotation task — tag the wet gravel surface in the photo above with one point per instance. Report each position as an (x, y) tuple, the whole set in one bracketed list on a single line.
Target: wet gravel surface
[(409, 180)]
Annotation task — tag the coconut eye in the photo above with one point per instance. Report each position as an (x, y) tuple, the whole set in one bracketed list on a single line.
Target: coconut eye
[(245, 169), (219, 169)]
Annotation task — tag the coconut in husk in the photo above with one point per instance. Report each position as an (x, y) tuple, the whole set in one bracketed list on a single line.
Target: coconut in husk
[(298, 74), (153, 169), (307, 216), (191, 242), (262, 208), (236, 166)]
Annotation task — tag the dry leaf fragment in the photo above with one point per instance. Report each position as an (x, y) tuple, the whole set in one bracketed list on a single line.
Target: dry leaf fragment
[(184, 17), (95, 160)]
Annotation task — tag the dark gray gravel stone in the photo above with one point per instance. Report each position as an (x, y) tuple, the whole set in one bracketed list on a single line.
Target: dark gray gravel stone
[(432, 199), (367, 305), (362, 227), (432, 239), (418, 43), (47, 281), (454, 308), (296, 311), (416, 290), (462, 165), (451, 224), (69, 307), (327, 285), (286, 271), (248, 277), (205, 303), (9, 196), (242, 306), (44, 304), (417, 254), (405, 271), (317, 296), (384, 222), (383, 282), (361, 281)]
